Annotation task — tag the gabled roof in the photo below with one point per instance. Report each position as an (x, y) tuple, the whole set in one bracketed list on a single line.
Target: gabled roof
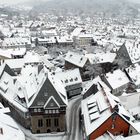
[(101, 57), (51, 103), (133, 50), (96, 109), (46, 90), (134, 73), (88, 84), (76, 59), (117, 78), (10, 128), (69, 77)]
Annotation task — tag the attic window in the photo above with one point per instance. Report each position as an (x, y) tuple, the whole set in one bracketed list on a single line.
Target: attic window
[(52, 104), (76, 79), (71, 80), (45, 93), (66, 81)]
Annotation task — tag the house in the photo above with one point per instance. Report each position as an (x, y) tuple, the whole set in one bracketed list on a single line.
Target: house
[(117, 81), (103, 113), (129, 53), (17, 64), (84, 39), (71, 79), (103, 60), (16, 43), (12, 53), (35, 100), (92, 87), (8, 127), (64, 41), (133, 74), (75, 60), (132, 107)]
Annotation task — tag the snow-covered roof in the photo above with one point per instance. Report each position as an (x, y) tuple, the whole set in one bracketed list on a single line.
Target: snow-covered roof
[(96, 110), (134, 137), (96, 81), (133, 49), (15, 63), (101, 57), (47, 40), (30, 57), (64, 39), (15, 42), (59, 87), (134, 73), (116, 78), (76, 59), (49, 32), (69, 77), (76, 31), (9, 128), (83, 35)]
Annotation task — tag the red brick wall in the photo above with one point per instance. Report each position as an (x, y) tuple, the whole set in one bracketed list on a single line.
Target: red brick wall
[(121, 126)]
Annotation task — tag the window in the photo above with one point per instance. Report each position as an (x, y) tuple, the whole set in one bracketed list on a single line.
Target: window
[(40, 123), (56, 122), (52, 104), (53, 111), (113, 126), (50, 111), (35, 110), (48, 122), (40, 103), (45, 93)]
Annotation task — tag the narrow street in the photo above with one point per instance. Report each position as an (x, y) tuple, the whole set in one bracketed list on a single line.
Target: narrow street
[(73, 120)]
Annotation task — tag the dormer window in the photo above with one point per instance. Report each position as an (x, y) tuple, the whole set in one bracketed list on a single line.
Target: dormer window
[(66, 81), (76, 79), (71, 80)]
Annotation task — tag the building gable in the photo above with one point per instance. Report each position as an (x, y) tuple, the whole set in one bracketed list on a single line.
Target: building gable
[(112, 125), (51, 103), (46, 91)]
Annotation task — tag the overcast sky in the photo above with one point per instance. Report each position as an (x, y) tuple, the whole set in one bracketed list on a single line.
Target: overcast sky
[(18, 1)]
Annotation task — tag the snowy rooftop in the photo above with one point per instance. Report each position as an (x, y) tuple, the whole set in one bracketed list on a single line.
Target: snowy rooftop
[(96, 81), (15, 42), (76, 59), (117, 78), (76, 31), (9, 128), (133, 49), (134, 73), (101, 57), (96, 110), (69, 77), (82, 35)]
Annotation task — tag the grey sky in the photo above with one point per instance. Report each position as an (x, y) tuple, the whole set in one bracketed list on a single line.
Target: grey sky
[(18, 1)]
